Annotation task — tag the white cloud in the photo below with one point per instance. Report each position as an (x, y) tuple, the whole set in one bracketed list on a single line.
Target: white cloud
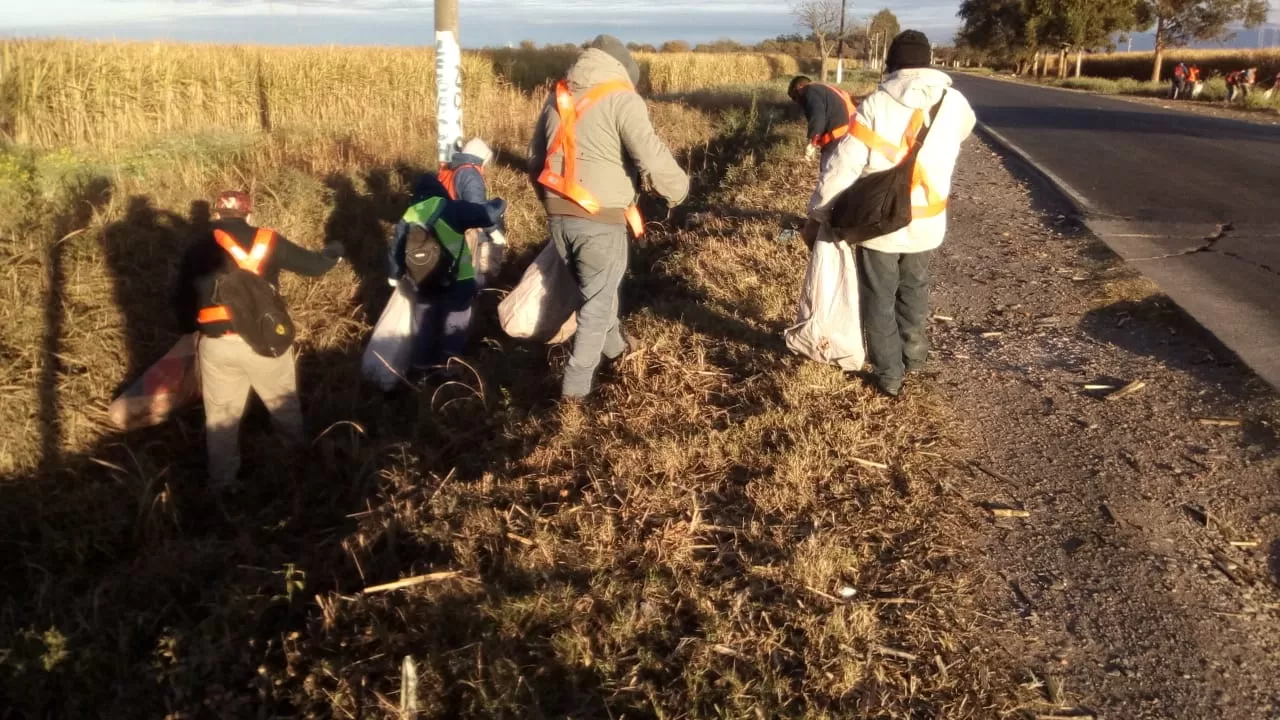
[(398, 21)]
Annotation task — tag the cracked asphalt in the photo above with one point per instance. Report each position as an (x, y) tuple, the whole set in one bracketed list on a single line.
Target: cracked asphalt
[(1187, 199)]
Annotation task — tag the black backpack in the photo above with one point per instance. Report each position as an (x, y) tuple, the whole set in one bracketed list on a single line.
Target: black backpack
[(426, 261), (880, 203), (258, 313)]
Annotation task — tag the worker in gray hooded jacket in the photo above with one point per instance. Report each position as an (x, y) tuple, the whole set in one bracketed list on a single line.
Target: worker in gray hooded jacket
[(592, 142)]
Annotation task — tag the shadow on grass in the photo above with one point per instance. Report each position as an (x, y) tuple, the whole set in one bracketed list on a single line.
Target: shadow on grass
[(131, 591), (85, 201)]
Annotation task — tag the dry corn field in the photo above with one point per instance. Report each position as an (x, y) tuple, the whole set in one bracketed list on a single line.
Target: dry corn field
[(728, 532)]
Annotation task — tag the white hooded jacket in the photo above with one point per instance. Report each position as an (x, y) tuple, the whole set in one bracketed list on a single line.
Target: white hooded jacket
[(888, 112)]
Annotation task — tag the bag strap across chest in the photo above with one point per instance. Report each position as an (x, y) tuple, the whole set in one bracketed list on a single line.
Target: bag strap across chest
[(906, 150)]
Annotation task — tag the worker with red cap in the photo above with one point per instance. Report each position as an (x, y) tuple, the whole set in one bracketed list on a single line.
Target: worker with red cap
[(223, 273)]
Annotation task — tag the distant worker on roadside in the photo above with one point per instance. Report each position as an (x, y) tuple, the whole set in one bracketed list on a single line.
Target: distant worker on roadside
[(829, 111), (1275, 85), (1179, 83), (1194, 81), (591, 142), (429, 248), (464, 179), (1247, 82), (893, 269), (227, 290), (1240, 84)]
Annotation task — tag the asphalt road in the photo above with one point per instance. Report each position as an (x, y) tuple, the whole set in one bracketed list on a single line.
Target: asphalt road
[(1138, 161), (1156, 184)]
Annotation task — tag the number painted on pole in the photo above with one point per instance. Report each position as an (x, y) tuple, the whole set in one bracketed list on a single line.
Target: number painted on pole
[(448, 94)]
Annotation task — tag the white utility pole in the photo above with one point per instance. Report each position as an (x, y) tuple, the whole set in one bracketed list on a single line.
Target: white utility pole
[(448, 80), (840, 45)]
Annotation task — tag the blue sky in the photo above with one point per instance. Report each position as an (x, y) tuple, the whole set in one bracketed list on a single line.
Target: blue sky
[(409, 22)]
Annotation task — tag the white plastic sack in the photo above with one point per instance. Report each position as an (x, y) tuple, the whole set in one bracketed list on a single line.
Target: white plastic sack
[(828, 325), (486, 256), (386, 359), (169, 385), (545, 304)]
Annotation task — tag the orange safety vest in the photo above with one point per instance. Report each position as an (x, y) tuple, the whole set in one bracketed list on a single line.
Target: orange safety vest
[(565, 182), (252, 261), (935, 204), (850, 107), (446, 177)]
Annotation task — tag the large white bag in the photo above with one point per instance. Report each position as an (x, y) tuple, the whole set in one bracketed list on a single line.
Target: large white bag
[(390, 349), (828, 325), (545, 304), (169, 385)]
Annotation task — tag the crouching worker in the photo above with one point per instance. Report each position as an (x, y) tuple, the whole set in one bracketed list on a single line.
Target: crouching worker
[(828, 110), (430, 250), (464, 180), (227, 289)]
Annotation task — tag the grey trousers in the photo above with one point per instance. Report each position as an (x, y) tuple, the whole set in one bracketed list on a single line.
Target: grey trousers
[(596, 253), (229, 369), (894, 292)]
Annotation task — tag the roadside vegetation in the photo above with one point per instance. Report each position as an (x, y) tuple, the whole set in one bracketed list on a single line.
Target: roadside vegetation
[(1122, 73), (1215, 91), (1060, 40), (730, 532), (1138, 64)]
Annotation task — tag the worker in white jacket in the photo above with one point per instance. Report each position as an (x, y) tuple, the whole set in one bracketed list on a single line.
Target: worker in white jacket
[(893, 270)]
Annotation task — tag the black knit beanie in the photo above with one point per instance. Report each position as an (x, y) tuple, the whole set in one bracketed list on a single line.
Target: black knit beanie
[(619, 52), (910, 49)]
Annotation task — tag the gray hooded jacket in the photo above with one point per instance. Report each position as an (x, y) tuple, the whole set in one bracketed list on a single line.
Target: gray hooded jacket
[(616, 142)]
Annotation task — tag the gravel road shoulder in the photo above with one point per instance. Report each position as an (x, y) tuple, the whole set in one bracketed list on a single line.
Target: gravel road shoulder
[(1144, 581)]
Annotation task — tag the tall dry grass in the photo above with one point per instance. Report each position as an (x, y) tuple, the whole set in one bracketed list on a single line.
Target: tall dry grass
[(660, 73), (111, 95), (686, 72), (1137, 65)]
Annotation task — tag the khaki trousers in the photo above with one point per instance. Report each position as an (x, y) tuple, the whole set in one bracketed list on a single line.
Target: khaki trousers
[(229, 369)]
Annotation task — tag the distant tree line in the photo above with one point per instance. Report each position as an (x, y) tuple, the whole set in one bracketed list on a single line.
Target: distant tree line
[(1021, 32), (820, 36)]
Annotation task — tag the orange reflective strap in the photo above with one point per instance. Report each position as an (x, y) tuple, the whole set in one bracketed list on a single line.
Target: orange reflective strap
[(445, 176), (217, 313), (851, 108), (635, 221), (913, 130), (826, 139), (233, 248), (251, 261), (262, 241), (868, 137), (935, 204), (565, 182), (448, 178)]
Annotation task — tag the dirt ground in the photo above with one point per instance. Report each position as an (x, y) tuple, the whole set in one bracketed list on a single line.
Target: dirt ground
[(1143, 581)]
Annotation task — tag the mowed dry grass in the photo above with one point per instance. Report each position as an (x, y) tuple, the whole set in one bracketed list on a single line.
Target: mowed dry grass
[(715, 536)]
